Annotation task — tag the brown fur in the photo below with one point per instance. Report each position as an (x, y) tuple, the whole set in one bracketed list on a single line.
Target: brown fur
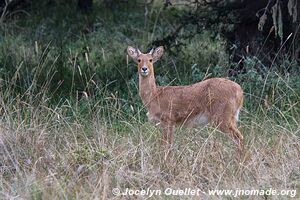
[(217, 100)]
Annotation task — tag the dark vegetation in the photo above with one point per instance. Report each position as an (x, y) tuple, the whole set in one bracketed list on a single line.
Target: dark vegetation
[(74, 44)]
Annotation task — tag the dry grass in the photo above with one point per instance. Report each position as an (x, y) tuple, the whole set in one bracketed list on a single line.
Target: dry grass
[(46, 155)]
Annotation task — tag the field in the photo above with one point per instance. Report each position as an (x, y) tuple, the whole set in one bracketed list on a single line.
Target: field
[(73, 126)]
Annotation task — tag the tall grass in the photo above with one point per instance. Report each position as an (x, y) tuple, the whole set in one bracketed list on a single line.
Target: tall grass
[(62, 152), (83, 147)]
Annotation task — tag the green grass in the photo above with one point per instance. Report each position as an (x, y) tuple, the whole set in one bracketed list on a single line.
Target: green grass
[(73, 127)]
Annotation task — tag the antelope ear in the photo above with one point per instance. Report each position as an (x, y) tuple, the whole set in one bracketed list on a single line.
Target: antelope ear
[(157, 53), (133, 53)]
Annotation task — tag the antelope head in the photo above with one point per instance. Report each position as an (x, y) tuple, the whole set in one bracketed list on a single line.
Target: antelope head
[(145, 61)]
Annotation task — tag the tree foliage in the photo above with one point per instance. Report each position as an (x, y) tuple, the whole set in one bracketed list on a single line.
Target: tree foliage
[(262, 28)]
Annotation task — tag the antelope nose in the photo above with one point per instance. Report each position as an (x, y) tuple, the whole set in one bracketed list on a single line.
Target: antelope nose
[(144, 69)]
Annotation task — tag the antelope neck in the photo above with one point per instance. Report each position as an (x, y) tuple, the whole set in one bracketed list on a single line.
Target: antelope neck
[(147, 88)]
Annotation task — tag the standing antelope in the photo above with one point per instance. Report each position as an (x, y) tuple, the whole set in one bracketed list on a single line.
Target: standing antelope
[(217, 100)]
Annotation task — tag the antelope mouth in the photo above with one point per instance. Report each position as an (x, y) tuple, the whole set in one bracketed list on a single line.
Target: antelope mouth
[(144, 73)]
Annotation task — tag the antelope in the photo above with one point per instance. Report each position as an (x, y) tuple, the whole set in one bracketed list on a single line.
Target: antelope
[(216, 101)]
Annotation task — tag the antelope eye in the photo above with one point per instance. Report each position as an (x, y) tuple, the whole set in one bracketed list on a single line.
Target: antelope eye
[(139, 60), (150, 60)]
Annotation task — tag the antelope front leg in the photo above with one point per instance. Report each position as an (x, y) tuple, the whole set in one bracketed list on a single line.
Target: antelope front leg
[(168, 134)]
